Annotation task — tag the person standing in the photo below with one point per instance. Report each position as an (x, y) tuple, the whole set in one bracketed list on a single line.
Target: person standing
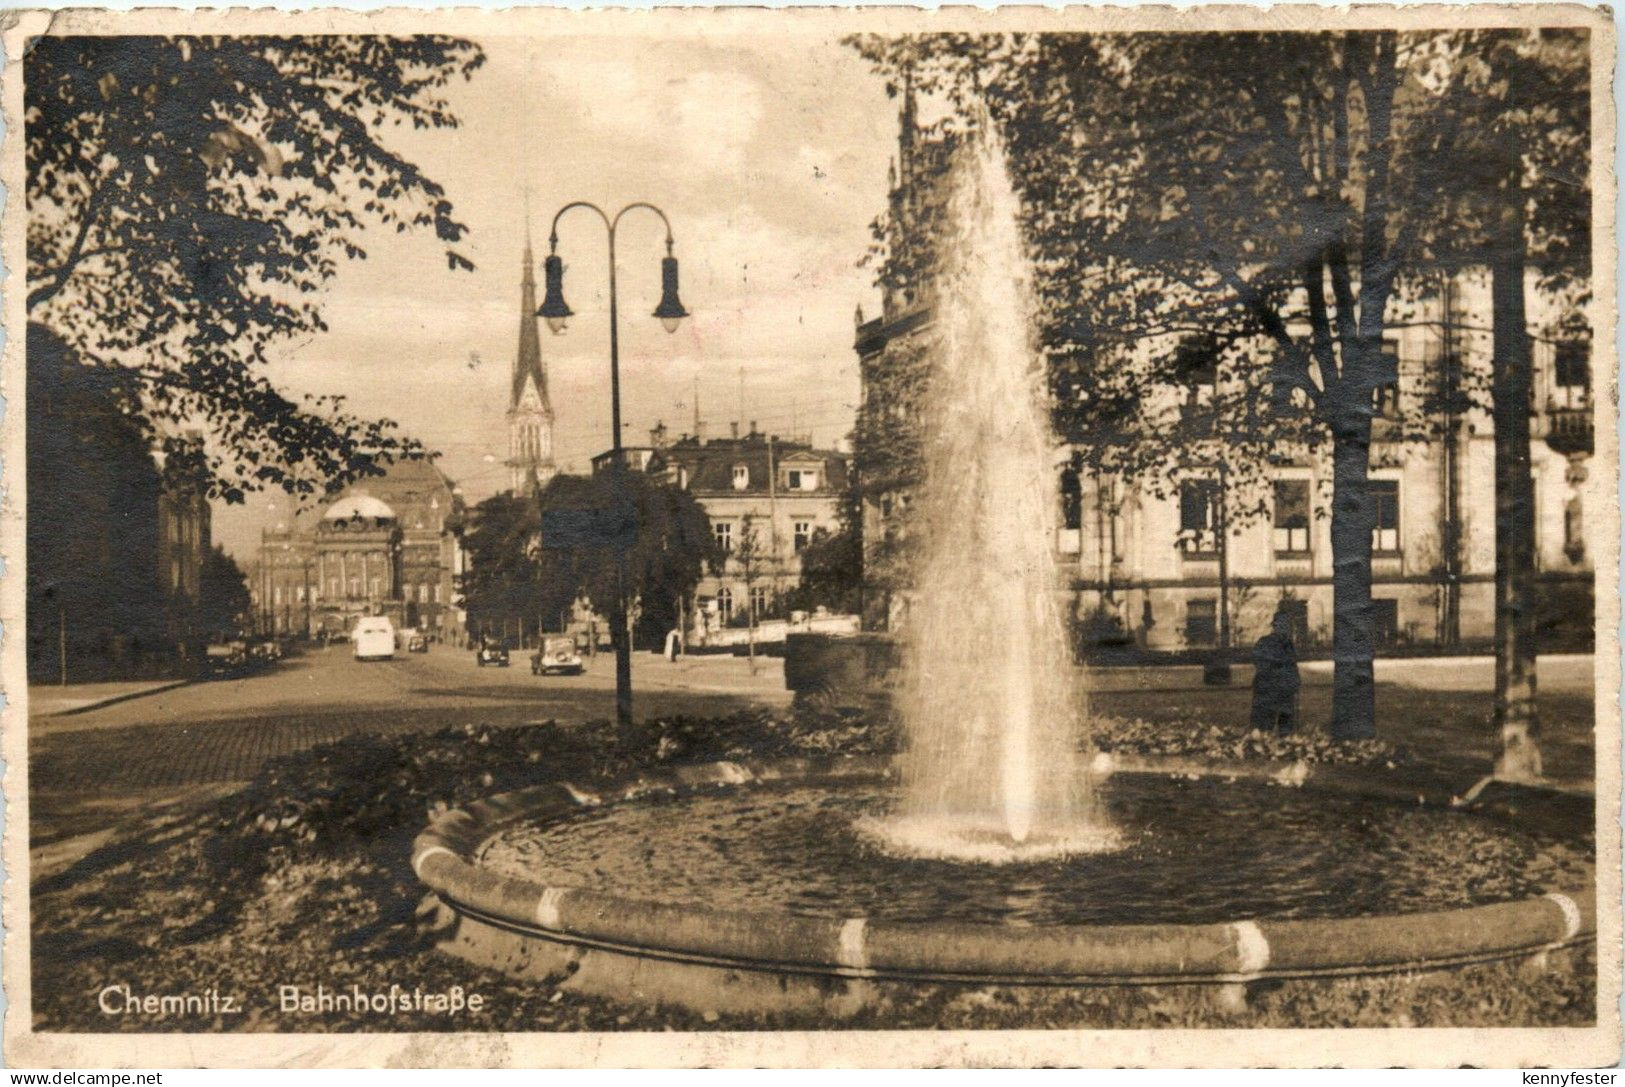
[(1275, 679)]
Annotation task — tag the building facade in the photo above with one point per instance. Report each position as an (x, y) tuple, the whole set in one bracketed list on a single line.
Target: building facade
[(767, 498), (530, 410), (385, 546), (1183, 565), (115, 551)]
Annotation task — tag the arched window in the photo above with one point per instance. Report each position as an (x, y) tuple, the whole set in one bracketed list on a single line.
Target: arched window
[(725, 604)]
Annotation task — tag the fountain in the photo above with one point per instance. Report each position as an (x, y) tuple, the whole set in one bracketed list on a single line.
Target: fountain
[(987, 668), (985, 855)]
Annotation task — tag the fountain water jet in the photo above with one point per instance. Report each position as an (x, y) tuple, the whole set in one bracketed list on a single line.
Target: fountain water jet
[(989, 699)]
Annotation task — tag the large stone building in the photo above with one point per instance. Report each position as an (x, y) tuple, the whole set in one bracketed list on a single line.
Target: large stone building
[(385, 546), (766, 498), (1159, 572)]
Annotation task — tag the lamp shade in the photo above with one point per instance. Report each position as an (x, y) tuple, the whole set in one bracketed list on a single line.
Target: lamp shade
[(670, 311), (554, 309)]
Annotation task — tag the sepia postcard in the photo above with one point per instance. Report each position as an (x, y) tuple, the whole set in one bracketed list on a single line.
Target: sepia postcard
[(835, 537)]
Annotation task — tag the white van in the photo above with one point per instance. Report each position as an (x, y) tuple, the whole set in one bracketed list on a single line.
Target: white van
[(374, 638)]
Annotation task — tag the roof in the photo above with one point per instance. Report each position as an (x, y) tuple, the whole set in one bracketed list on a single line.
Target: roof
[(409, 489), (528, 362), (710, 466), (358, 507)]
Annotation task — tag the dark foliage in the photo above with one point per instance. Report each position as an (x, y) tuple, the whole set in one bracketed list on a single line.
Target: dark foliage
[(93, 497), (190, 197), (832, 562), (223, 592), (1274, 197), (503, 585), (672, 548)]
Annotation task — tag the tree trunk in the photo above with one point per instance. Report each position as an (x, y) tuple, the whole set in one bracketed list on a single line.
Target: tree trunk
[(750, 627), (1515, 716), (1353, 519)]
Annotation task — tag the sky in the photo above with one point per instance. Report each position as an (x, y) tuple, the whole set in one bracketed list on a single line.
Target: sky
[(769, 155)]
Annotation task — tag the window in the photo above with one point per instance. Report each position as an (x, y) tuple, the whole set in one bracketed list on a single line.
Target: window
[(741, 477), (724, 532), (1071, 499), (1297, 612), (801, 534), (1385, 531), (355, 586), (1388, 374), (423, 592), (1384, 620), (758, 599), (725, 604), (299, 593), (1385, 402), (1573, 365), (1196, 363), (1198, 516), (333, 587), (801, 479), (276, 590), (1201, 622), (437, 599), (372, 588), (1292, 516), (886, 504)]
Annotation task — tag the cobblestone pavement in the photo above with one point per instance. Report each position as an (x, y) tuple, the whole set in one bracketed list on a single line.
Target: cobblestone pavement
[(225, 730), (91, 771)]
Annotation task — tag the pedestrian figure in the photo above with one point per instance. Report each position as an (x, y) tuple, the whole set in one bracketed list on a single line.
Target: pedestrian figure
[(1275, 679)]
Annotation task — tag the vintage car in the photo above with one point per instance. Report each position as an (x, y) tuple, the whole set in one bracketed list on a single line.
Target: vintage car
[(556, 655), (491, 651), (373, 638)]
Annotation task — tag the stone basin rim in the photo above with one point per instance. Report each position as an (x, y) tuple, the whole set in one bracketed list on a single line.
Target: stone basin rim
[(1215, 952)]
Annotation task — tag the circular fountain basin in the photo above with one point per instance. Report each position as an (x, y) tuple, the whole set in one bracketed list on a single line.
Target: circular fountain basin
[(753, 887)]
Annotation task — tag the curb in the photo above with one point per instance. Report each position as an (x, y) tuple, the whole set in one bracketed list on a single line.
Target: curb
[(515, 910), (128, 696)]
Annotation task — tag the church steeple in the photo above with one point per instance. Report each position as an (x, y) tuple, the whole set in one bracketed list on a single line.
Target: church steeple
[(530, 411)]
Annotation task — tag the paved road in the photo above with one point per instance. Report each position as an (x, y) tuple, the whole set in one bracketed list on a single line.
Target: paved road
[(225, 730)]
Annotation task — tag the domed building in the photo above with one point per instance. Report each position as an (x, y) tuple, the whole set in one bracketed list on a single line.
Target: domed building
[(382, 547)]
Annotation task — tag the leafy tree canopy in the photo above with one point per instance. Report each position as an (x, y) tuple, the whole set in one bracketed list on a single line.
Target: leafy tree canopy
[(190, 197), (1263, 197), (503, 582), (673, 548), (223, 592)]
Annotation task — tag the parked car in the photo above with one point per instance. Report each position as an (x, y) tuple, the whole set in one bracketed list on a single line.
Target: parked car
[(226, 657), (417, 643), (374, 638), (491, 651), (556, 655), (266, 650)]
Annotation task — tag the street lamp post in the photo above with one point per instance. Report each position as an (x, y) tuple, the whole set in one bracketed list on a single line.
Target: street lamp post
[(557, 313)]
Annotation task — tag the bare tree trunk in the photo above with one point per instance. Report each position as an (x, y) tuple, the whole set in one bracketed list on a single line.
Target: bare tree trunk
[(1515, 650), (750, 626), (1353, 519)]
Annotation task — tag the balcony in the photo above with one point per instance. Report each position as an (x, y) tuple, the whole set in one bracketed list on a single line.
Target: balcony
[(1566, 423)]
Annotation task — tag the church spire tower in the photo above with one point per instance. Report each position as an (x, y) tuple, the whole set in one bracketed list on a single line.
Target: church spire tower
[(530, 412)]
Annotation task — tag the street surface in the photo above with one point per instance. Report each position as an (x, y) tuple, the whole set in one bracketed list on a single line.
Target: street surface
[(88, 769), (93, 770)]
